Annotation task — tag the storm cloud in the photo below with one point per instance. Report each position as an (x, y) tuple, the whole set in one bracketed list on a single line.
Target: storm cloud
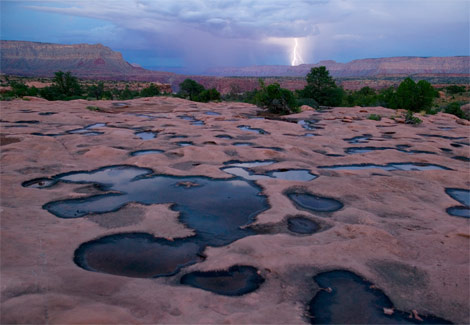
[(196, 34)]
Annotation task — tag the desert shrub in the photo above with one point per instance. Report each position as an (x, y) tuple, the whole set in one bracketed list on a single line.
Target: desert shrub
[(455, 89), (454, 109), (96, 91), (207, 95), (127, 93), (365, 97), (190, 89), (276, 99), (150, 91), (374, 117), (93, 108), (322, 88), (412, 96), (410, 119), (66, 84)]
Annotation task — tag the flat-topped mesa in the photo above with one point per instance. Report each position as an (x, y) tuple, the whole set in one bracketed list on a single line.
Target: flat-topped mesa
[(393, 66), (42, 59)]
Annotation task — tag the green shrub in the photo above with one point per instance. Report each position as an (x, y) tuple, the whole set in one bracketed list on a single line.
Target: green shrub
[(93, 108), (190, 89), (96, 91), (454, 109), (150, 91), (374, 117), (276, 99), (455, 89), (410, 119), (207, 95), (322, 88)]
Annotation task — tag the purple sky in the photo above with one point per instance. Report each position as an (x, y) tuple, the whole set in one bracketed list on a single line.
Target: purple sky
[(192, 35)]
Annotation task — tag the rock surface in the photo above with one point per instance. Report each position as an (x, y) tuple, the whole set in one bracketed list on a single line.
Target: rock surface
[(393, 229)]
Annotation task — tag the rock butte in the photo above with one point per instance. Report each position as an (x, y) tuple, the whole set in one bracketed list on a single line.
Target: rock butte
[(393, 229)]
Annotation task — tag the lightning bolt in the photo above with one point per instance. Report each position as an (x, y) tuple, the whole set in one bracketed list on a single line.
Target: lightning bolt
[(296, 59)]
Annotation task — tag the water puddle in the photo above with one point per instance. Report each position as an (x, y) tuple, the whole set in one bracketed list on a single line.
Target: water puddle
[(461, 158), (257, 130), (27, 122), (185, 143), (308, 124), (217, 210), (137, 255), (401, 148), (302, 225), (236, 281), (243, 144), (388, 167), (365, 138), (270, 148), (47, 134), (314, 203), (39, 183), (191, 119), (462, 196), (459, 211), (145, 152), (293, 175), (146, 135), (441, 136), (224, 136), (250, 164), (345, 298), (86, 129), (212, 113), (356, 150)]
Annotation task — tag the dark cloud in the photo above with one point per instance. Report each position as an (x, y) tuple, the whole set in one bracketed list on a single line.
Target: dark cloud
[(202, 33)]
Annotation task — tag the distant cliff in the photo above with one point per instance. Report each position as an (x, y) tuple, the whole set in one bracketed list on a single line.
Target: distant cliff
[(42, 59), (395, 66), (100, 62)]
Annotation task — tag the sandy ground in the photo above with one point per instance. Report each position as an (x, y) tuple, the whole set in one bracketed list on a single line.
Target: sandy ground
[(393, 230)]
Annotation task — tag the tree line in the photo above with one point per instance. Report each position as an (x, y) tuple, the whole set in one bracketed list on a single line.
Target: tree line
[(320, 90)]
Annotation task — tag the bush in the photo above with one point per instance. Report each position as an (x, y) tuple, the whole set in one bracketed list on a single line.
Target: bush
[(455, 89), (150, 91), (93, 108), (365, 97), (412, 96), (207, 95), (322, 88), (374, 117), (454, 109), (410, 119), (96, 91), (276, 99), (190, 89)]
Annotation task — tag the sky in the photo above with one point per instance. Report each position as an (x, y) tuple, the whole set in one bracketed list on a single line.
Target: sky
[(190, 36)]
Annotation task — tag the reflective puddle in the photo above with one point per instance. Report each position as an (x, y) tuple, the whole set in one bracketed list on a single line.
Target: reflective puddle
[(345, 298), (217, 210), (257, 130), (314, 203), (236, 281)]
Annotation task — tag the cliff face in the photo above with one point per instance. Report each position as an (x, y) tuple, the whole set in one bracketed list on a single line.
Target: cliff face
[(360, 68), (43, 59)]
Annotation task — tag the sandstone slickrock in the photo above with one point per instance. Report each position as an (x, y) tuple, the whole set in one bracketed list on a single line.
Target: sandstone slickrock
[(393, 229)]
